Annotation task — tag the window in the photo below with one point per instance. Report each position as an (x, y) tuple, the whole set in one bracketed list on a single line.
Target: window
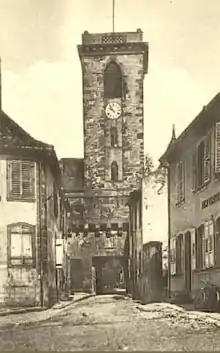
[(21, 179), (140, 262), (109, 241), (179, 254), (217, 242), (21, 240), (208, 246), (114, 172), (55, 200), (199, 248), (172, 256), (201, 163), (114, 136), (112, 81), (180, 182)]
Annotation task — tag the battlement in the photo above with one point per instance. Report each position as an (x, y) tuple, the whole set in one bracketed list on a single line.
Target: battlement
[(116, 37)]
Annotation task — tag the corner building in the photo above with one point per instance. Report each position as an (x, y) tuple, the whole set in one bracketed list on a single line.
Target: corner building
[(113, 70)]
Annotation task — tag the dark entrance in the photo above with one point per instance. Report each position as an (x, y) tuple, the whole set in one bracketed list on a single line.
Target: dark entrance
[(110, 274), (187, 261), (76, 273)]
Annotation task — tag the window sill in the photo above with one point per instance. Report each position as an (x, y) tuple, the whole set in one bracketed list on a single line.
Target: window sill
[(211, 268), (180, 203), (201, 188), (22, 199)]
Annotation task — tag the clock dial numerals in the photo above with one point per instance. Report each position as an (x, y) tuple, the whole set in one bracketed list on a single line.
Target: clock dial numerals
[(113, 110)]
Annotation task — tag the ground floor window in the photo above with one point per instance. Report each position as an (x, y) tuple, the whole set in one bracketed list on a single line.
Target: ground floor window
[(21, 241)]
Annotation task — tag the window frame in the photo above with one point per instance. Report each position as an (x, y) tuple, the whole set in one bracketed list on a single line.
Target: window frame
[(204, 166), (11, 196), (110, 79), (25, 261), (180, 183), (114, 164)]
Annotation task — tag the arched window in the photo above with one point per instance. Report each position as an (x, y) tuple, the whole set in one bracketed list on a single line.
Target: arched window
[(201, 153), (114, 136), (114, 171), (112, 81)]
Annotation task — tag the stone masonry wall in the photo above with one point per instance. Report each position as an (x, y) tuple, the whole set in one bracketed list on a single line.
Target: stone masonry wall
[(97, 158)]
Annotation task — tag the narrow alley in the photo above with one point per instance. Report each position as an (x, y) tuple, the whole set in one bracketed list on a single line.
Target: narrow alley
[(112, 322)]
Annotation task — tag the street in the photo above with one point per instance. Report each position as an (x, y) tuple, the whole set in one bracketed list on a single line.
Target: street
[(112, 323)]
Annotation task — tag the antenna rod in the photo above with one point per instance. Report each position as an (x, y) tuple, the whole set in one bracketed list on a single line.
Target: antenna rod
[(113, 16)]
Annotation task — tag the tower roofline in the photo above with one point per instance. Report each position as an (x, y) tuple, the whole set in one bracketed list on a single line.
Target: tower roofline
[(112, 37), (117, 43)]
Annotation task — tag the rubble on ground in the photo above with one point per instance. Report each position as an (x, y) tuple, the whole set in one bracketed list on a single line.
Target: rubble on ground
[(177, 316)]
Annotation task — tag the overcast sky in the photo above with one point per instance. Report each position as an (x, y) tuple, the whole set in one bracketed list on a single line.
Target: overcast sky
[(42, 73)]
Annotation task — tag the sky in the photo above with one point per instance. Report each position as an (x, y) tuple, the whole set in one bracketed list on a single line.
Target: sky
[(41, 72)]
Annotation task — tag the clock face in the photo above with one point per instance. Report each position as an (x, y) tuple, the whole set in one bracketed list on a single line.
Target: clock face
[(113, 110)]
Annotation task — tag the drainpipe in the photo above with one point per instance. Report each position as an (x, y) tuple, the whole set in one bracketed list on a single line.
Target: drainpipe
[(169, 230), (40, 230)]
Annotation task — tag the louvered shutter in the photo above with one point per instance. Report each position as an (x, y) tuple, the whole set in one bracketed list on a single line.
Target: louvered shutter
[(205, 246), (172, 256), (15, 178), (217, 147), (207, 159), (27, 169), (211, 244), (194, 170), (193, 249), (182, 181), (178, 172)]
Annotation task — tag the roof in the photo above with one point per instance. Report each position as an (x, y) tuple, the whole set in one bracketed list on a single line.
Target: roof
[(16, 141), (202, 117)]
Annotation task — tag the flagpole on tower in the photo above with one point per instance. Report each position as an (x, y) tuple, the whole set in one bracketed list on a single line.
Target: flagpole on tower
[(113, 16)]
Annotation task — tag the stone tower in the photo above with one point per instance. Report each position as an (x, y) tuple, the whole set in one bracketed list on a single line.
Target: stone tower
[(113, 70)]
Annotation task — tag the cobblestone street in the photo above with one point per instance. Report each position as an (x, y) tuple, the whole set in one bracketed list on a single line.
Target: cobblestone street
[(112, 323)]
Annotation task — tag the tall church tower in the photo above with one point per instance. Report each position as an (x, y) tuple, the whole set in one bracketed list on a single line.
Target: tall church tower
[(113, 69)]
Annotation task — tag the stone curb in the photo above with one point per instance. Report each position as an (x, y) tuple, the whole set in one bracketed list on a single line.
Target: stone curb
[(36, 309)]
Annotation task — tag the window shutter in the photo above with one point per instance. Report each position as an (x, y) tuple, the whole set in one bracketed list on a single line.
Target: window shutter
[(211, 244), (182, 181), (205, 246), (172, 256), (178, 183), (194, 170), (27, 169), (15, 178), (217, 147), (193, 249), (207, 159)]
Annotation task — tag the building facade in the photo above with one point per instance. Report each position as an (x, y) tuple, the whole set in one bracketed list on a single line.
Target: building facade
[(29, 218), (193, 162), (113, 70), (135, 243)]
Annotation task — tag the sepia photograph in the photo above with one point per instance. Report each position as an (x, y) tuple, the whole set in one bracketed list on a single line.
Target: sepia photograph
[(109, 175)]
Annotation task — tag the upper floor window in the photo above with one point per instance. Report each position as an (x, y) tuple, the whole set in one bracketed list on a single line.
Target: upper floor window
[(112, 81), (21, 179), (202, 163), (180, 182), (114, 136), (21, 240), (55, 200), (114, 171)]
